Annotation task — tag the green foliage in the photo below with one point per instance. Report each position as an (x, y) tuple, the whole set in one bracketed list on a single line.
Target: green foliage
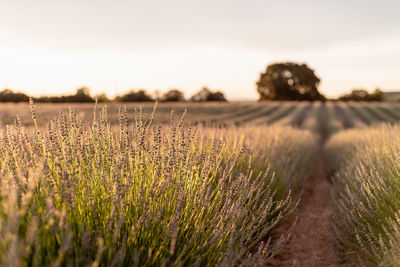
[(83, 91), (102, 98), (205, 94), (152, 195), (367, 193), (289, 81), (135, 96), (7, 95), (82, 95), (363, 95), (173, 95)]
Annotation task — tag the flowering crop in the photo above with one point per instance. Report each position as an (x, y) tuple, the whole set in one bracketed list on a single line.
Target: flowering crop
[(83, 194), (366, 164)]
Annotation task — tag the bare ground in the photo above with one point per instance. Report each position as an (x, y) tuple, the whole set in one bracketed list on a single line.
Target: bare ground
[(312, 243)]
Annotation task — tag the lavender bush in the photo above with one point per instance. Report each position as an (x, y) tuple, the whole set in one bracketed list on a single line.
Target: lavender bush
[(367, 194), (82, 194)]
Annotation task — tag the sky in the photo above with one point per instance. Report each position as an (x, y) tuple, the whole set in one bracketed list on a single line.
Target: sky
[(52, 47)]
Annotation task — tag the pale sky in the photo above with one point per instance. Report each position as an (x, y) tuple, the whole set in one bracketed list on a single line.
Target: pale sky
[(53, 47)]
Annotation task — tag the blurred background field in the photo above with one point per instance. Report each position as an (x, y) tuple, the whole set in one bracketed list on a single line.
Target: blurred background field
[(336, 115)]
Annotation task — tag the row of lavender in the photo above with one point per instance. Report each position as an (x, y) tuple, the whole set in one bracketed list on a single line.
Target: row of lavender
[(365, 168), (341, 115), (78, 193)]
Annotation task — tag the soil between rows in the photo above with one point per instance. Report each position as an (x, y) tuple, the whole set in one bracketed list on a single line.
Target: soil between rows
[(312, 243)]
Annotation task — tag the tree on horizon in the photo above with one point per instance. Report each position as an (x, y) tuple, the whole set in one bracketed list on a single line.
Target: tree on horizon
[(289, 81)]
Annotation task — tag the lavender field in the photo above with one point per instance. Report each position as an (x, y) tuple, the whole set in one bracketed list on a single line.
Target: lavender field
[(249, 184), (304, 115)]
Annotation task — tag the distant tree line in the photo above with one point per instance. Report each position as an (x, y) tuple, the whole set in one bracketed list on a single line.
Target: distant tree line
[(289, 81), (363, 95), (8, 95), (82, 95)]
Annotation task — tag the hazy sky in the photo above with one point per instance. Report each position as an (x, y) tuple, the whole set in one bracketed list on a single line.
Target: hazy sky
[(53, 47)]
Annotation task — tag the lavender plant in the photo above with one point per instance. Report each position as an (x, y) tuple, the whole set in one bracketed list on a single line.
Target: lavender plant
[(82, 194), (367, 194), (289, 153)]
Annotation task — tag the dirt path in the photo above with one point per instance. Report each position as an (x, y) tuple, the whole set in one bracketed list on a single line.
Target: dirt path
[(312, 244)]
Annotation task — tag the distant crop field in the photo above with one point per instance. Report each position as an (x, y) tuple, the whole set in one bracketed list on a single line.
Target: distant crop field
[(227, 184), (304, 115)]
